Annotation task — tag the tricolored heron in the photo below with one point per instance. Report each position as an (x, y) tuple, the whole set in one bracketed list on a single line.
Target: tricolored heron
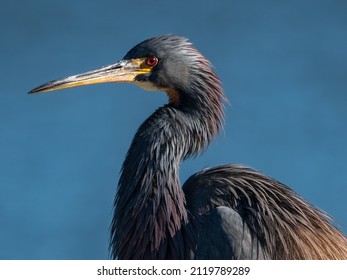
[(225, 212)]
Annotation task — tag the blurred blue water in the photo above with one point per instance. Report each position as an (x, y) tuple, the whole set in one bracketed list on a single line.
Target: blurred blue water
[(283, 67)]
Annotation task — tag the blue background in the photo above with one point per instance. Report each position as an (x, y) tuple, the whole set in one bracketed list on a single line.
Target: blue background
[(284, 69)]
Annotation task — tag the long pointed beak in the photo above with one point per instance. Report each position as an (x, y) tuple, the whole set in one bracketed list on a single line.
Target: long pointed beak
[(123, 71)]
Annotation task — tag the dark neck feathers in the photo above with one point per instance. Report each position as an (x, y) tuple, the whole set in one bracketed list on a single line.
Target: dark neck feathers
[(150, 217)]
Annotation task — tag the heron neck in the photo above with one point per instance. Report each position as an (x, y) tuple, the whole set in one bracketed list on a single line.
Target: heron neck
[(150, 211)]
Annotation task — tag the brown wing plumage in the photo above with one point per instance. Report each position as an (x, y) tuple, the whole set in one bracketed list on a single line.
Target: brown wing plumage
[(285, 225)]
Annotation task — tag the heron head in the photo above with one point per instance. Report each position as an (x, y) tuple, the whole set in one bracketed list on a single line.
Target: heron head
[(164, 63)]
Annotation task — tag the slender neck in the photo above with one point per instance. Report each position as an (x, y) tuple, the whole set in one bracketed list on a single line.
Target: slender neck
[(150, 206), (150, 218)]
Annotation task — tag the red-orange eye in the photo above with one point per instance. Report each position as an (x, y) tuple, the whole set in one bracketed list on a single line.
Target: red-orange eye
[(152, 61)]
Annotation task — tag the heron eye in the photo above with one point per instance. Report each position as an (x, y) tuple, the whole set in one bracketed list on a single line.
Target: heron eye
[(152, 61)]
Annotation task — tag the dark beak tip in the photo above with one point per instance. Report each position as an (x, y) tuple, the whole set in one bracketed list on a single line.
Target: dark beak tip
[(38, 89), (32, 91)]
